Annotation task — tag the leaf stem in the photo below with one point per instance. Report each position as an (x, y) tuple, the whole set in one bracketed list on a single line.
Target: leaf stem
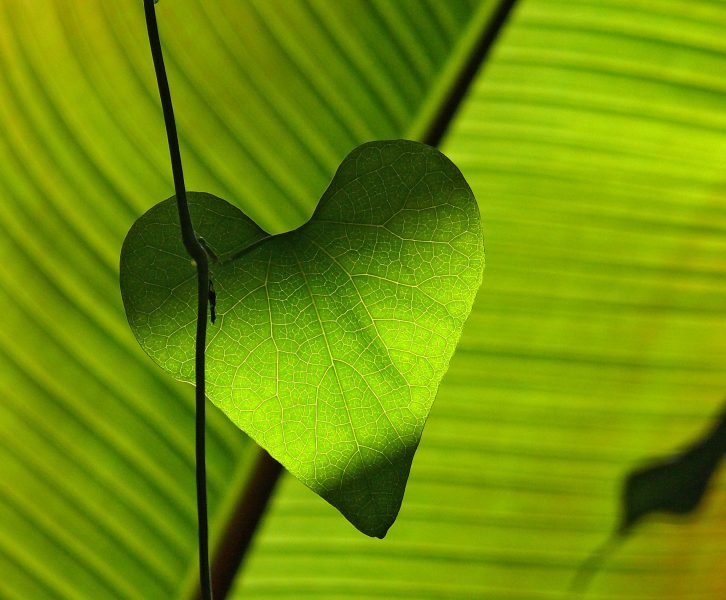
[(198, 253)]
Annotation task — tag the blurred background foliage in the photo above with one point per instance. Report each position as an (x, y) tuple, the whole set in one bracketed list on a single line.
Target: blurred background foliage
[(594, 138)]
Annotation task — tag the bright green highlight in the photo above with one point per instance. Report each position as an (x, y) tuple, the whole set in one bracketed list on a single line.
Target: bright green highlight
[(331, 339)]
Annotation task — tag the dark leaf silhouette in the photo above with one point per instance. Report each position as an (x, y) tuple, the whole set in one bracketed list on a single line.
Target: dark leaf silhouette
[(675, 485)]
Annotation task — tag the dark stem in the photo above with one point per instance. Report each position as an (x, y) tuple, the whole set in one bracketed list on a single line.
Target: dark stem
[(244, 522), (197, 252), (461, 86)]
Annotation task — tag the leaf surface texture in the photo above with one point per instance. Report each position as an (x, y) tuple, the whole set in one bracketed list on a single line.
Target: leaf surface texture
[(332, 338)]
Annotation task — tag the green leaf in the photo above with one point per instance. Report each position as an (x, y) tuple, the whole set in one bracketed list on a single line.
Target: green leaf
[(331, 339)]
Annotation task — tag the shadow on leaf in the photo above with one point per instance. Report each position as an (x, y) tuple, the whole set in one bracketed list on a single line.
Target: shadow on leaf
[(674, 485)]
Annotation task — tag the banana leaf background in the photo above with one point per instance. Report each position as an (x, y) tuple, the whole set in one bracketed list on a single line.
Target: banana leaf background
[(593, 134)]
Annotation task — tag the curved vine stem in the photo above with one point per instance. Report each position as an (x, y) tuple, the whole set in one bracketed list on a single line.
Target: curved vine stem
[(199, 255)]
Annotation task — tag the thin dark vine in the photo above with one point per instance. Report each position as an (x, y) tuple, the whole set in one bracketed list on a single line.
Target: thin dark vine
[(199, 256)]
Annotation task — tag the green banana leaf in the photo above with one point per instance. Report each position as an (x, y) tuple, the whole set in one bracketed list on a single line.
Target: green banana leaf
[(594, 140)]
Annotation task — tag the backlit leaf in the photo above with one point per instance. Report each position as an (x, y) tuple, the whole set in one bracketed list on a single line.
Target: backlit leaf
[(331, 339)]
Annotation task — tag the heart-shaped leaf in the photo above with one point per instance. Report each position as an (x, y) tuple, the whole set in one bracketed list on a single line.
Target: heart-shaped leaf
[(330, 340)]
